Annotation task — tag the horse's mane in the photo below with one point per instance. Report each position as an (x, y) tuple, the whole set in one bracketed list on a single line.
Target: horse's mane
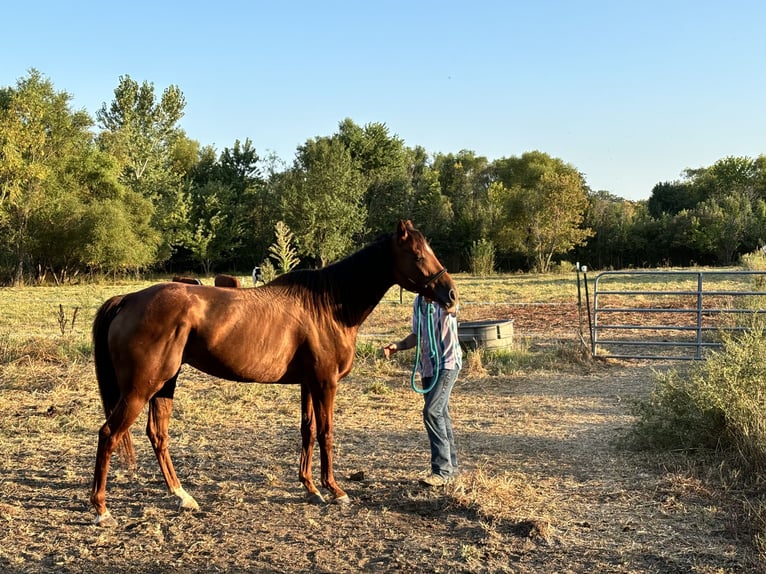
[(352, 285)]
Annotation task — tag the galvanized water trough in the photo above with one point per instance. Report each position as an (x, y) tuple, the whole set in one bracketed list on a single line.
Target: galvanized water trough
[(493, 334)]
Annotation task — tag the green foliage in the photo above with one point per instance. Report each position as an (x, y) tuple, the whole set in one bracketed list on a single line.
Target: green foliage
[(718, 404), (322, 200), (521, 358), (268, 271), (715, 214), (282, 250), (545, 208), (212, 236), (482, 258), (562, 267), (384, 164), (173, 202), (63, 207), (615, 222), (142, 134)]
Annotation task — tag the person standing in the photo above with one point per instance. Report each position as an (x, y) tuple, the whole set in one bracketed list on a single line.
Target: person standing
[(440, 357)]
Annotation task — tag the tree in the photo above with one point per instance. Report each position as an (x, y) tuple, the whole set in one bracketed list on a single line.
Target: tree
[(91, 221), (212, 237), (738, 175), (384, 164), (613, 244), (38, 133), (720, 227), (545, 207), (321, 200), (138, 129), (464, 180), (672, 197), (63, 209), (143, 134)]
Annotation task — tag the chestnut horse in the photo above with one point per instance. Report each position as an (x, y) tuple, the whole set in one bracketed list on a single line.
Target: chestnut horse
[(300, 328), (223, 280), (189, 280)]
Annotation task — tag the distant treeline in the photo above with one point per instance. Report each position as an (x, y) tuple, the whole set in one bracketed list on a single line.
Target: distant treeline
[(130, 192)]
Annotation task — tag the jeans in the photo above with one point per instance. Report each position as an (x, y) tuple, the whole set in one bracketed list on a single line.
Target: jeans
[(439, 424)]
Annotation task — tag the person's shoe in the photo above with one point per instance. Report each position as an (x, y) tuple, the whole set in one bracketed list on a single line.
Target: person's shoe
[(434, 480)]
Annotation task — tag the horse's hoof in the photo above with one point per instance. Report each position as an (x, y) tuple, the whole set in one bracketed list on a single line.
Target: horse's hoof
[(342, 500), (188, 504), (316, 498), (187, 501), (105, 520)]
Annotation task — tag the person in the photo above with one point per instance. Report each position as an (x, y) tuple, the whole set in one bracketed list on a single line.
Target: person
[(431, 323)]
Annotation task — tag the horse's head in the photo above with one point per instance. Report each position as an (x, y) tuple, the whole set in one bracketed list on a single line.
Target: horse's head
[(417, 269)]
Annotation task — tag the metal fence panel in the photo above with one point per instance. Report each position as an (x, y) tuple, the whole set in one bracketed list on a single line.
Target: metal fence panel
[(677, 315)]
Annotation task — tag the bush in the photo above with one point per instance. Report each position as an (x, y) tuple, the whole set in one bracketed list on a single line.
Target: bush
[(268, 271), (755, 261), (482, 258), (720, 403)]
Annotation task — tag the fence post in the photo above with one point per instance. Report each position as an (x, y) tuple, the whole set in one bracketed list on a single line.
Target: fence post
[(699, 316)]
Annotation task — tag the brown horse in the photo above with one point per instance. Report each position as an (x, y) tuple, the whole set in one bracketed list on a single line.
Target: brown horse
[(223, 280), (188, 280), (299, 329)]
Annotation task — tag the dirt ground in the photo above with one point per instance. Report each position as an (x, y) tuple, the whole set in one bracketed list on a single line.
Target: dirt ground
[(545, 485)]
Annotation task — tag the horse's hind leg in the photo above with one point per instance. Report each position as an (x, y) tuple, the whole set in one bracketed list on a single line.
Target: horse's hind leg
[(308, 435), (110, 435), (160, 409)]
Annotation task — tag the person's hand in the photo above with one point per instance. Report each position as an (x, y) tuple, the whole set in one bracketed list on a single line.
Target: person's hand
[(389, 350)]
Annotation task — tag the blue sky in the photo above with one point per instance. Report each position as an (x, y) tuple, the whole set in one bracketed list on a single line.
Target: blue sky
[(629, 92)]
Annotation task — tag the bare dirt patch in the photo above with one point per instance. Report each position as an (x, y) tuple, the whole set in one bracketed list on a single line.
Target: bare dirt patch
[(545, 486)]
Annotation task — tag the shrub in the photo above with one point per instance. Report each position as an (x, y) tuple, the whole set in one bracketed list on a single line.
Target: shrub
[(482, 258), (719, 403), (755, 261), (268, 271)]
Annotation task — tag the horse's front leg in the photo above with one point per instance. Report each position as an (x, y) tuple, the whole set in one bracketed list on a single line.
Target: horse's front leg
[(160, 409), (308, 435), (324, 415)]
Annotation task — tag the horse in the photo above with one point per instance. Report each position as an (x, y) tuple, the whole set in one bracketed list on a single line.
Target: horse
[(187, 280), (222, 280), (300, 328)]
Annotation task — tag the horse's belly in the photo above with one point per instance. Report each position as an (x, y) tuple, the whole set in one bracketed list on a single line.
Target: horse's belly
[(246, 371)]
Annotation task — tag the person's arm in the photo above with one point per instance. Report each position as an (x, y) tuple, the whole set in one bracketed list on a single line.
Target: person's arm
[(407, 343)]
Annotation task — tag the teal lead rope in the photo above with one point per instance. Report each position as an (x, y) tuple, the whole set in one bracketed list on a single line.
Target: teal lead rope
[(435, 359)]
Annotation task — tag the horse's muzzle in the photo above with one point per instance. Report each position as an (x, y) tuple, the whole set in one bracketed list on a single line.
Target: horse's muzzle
[(447, 298)]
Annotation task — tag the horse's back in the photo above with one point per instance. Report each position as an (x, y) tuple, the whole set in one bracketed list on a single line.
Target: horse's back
[(236, 334)]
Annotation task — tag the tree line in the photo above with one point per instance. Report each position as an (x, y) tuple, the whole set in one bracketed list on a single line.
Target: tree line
[(129, 192)]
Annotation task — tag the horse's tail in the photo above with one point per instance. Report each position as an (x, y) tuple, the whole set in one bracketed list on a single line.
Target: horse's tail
[(105, 373)]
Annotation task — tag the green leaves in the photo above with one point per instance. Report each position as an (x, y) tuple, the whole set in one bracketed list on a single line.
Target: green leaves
[(282, 250), (544, 209)]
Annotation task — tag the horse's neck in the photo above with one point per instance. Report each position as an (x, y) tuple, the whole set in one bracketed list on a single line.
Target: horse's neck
[(360, 285)]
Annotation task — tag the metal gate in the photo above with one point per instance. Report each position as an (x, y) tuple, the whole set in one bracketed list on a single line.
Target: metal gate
[(670, 314)]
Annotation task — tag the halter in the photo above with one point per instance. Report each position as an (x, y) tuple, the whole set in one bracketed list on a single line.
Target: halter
[(435, 276), (428, 280)]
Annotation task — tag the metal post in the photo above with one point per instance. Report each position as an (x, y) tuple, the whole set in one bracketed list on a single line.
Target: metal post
[(699, 316), (587, 305)]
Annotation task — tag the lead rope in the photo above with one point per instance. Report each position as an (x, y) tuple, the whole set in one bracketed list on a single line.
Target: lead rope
[(435, 360)]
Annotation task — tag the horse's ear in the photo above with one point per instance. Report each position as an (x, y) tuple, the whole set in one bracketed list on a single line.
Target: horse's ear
[(401, 230)]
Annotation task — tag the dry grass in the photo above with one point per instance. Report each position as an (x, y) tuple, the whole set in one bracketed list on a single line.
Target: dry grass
[(545, 486)]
